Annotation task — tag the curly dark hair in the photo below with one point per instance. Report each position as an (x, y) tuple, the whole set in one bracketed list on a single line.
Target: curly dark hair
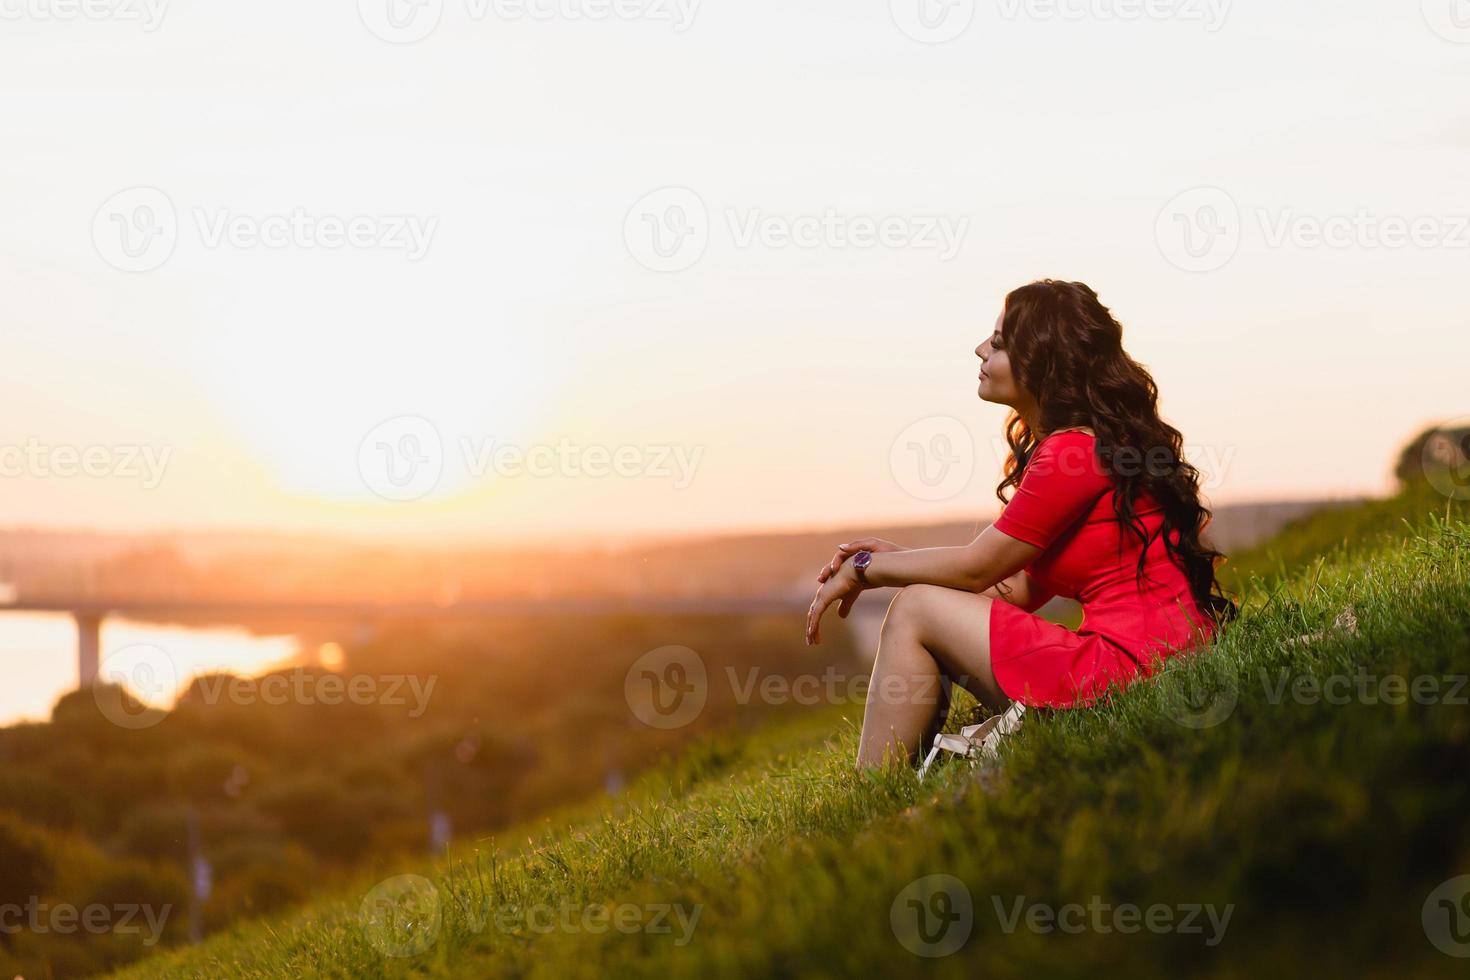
[(1066, 349)]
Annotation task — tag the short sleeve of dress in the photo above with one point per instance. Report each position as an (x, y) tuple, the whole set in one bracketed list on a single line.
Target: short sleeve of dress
[(1060, 485)]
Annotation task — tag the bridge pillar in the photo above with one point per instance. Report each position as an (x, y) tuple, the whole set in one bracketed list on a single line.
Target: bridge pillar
[(89, 642)]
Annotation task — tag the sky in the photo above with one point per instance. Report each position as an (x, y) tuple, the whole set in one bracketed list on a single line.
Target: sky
[(547, 269)]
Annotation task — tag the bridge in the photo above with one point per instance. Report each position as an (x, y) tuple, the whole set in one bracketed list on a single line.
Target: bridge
[(91, 611)]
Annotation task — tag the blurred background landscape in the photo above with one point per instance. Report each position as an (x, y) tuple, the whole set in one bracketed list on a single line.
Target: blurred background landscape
[(225, 803), (421, 424)]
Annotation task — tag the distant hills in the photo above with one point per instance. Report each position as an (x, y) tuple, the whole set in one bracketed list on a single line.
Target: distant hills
[(236, 566)]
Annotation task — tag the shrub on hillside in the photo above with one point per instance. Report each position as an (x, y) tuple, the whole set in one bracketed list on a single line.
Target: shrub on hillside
[(26, 867)]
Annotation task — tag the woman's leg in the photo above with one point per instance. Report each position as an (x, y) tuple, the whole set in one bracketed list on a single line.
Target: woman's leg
[(931, 636)]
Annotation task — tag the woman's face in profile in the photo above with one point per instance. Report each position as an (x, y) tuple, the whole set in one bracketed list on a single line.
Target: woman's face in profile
[(997, 384)]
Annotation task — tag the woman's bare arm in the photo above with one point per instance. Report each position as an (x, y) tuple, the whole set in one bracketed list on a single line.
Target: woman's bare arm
[(993, 557), (1020, 590)]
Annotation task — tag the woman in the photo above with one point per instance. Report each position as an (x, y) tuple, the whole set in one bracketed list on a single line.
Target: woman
[(1106, 510)]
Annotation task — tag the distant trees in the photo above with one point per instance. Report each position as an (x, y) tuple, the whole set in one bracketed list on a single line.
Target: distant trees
[(1437, 447), (275, 799), (26, 868)]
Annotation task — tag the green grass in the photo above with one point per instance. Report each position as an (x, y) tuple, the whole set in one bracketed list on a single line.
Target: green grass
[(1339, 531), (1322, 827)]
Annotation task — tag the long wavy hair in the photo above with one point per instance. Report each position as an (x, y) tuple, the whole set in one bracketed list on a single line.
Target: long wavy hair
[(1066, 348)]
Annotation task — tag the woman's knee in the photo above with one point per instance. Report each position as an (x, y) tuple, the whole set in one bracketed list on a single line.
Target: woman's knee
[(909, 606)]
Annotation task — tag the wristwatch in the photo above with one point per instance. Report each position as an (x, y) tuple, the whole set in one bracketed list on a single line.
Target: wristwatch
[(860, 562)]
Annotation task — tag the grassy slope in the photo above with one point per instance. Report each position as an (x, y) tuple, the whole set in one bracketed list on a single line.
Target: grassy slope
[(1325, 826)]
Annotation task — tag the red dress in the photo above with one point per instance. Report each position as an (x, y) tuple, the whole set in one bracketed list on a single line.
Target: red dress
[(1064, 506)]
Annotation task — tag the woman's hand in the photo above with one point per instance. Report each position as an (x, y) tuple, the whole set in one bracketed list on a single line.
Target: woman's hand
[(843, 588), (846, 551)]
